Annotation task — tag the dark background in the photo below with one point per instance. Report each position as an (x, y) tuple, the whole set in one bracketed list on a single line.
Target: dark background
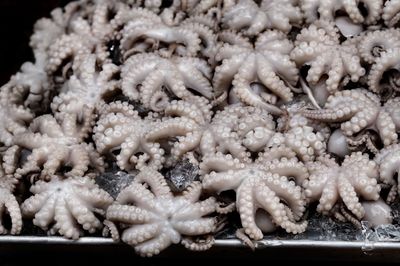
[(17, 18)]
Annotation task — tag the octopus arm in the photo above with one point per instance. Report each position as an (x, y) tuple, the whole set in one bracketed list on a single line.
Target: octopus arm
[(387, 61), (271, 77), (198, 226), (247, 208), (288, 192), (271, 203), (328, 196), (223, 181), (197, 210), (140, 233), (386, 128), (367, 187), (136, 194), (349, 197), (83, 214), (65, 223), (225, 73), (118, 213), (155, 245), (133, 73), (156, 182), (9, 204)]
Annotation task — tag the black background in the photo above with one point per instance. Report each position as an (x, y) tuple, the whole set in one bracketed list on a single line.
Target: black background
[(17, 18)]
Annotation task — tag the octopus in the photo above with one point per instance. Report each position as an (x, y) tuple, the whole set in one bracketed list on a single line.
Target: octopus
[(120, 131), (85, 36), (289, 104), (360, 111), (387, 160), (153, 218), (259, 75), (252, 18), (181, 129), (330, 183), (151, 79), (56, 149), (237, 131), (267, 189), (358, 11), (331, 64), (9, 205), (84, 92), (67, 206), (148, 34)]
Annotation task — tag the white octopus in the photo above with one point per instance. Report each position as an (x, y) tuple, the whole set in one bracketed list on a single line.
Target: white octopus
[(67, 206), (259, 75), (152, 218), (121, 128), (331, 63), (53, 147), (264, 185), (358, 111), (252, 18), (330, 183), (84, 92), (359, 11), (150, 78)]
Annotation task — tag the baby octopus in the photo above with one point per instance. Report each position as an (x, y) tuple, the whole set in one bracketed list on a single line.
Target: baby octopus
[(252, 18), (237, 130), (332, 64), (151, 78), (152, 218), (66, 206), (331, 183), (54, 147), (120, 128), (264, 185), (84, 92), (259, 75), (181, 129), (358, 111)]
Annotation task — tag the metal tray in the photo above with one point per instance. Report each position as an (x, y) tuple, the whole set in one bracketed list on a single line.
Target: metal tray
[(227, 248)]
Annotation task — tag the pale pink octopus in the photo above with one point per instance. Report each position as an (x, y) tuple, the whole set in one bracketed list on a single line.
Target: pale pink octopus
[(263, 186), (259, 75), (331, 64), (84, 92), (152, 218), (330, 183), (358, 111), (150, 78), (121, 129), (66, 206)]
